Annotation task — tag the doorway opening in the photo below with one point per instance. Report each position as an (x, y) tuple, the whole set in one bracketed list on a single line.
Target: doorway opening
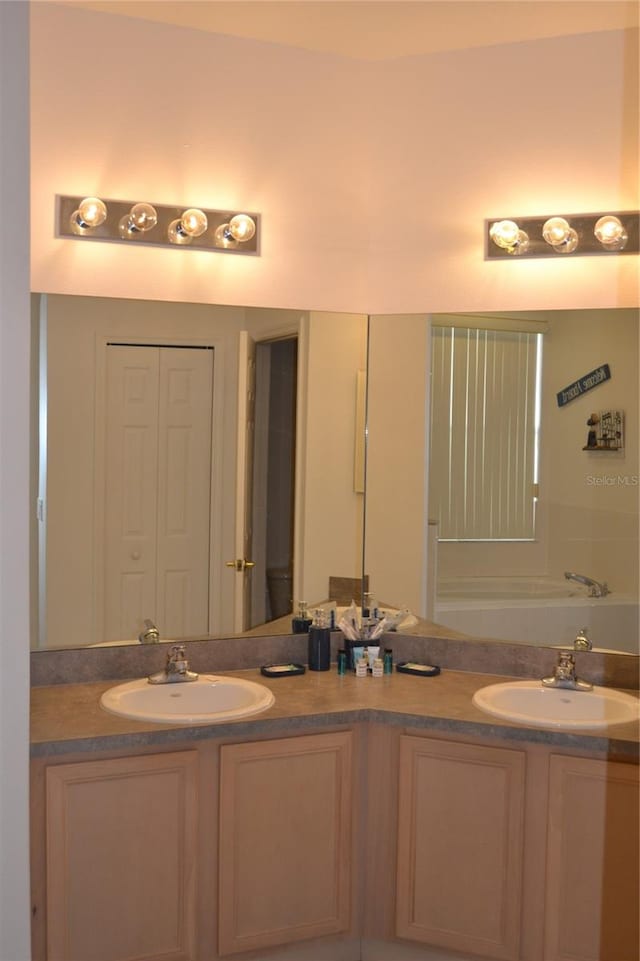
[(274, 479)]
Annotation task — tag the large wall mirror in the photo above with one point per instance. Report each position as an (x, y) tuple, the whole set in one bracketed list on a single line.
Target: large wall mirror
[(527, 477), (198, 466), (283, 389)]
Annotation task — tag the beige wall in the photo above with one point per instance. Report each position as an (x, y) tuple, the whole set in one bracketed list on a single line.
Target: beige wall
[(330, 520), (373, 178)]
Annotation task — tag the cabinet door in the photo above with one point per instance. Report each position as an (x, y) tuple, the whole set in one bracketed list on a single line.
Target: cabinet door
[(285, 841), (121, 858), (460, 845), (592, 861)]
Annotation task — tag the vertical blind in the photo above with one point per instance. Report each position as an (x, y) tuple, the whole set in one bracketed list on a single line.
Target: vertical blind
[(483, 433)]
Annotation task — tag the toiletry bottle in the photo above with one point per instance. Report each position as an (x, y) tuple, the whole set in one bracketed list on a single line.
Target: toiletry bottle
[(301, 622), (319, 643)]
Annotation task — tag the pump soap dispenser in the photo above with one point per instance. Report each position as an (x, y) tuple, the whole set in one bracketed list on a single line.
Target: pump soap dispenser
[(319, 643)]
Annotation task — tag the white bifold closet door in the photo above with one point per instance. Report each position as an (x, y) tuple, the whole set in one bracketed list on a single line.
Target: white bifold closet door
[(157, 490)]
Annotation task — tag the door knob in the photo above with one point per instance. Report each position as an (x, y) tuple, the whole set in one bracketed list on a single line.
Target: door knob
[(240, 564)]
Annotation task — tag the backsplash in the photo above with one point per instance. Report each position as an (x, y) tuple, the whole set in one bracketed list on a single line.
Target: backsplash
[(244, 653)]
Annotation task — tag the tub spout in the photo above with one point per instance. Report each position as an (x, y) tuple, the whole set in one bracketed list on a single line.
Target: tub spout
[(596, 588)]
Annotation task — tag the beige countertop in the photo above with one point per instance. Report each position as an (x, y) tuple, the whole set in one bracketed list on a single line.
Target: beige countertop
[(68, 718)]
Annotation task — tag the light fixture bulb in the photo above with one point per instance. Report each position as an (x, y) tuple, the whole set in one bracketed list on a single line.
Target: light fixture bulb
[(610, 232), (223, 237), (242, 227), (176, 233), (91, 212), (555, 231), (521, 244), (194, 222), (141, 218), (504, 233), (560, 235)]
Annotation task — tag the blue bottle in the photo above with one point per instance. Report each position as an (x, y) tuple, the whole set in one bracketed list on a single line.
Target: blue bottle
[(319, 643)]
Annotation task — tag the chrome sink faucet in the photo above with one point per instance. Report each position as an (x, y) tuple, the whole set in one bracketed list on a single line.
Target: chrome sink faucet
[(176, 670), (596, 588), (564, 674), (582, 642)]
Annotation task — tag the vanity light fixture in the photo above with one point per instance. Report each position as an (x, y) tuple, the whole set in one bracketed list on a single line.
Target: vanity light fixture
[(568, 234), (158, 225)]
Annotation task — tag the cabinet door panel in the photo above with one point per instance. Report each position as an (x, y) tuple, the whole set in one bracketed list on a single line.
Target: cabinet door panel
[(121, 852), (460, 844), (592, 861), (285, 841)]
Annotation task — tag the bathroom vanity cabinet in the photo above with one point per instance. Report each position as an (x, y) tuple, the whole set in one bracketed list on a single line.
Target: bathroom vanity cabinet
[(375, 837), (158, 856), (517, 854)]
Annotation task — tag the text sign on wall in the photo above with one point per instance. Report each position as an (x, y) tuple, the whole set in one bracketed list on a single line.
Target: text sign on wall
[(588, 382)]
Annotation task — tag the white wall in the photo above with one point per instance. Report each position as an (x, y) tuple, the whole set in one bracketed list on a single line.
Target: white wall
[(14, 483)]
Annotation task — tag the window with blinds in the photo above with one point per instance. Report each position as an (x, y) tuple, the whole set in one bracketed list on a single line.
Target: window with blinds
[(484, 432)]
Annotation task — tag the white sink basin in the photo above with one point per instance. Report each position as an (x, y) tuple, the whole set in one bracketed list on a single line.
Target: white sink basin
[(209, 700), (528, 702)]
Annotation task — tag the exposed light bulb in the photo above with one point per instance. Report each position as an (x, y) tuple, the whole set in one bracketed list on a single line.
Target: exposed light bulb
[(141, 218), (176, 234), (194, 222), (222, 237), (91, 212), (507, 235), (610, 232), (555, 230), (504, 233), (521, 244), (242, 227)]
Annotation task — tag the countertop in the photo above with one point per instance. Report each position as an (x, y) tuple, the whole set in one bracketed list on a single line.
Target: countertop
[(67, 718)]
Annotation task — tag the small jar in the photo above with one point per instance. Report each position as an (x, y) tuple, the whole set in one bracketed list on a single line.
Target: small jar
[(378, 669), (361, 667)]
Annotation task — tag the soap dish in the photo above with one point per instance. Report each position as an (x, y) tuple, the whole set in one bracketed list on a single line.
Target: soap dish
[(282, 670), (421, 670)]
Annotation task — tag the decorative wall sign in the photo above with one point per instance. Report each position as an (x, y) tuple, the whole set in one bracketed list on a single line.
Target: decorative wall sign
[(588, 382), (606, 430)]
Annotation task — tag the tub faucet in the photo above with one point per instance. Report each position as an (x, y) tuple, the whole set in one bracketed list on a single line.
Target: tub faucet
[(150, 634), (564, 674), (596, 589), (175, 670)]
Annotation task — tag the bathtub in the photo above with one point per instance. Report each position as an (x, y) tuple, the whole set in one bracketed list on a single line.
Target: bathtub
[(539, 610)]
